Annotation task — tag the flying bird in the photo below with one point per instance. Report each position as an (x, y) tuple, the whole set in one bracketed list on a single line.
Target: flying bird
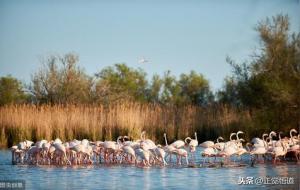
[(143, 60)]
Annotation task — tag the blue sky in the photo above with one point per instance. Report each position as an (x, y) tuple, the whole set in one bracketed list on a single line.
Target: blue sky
[(176, 35)]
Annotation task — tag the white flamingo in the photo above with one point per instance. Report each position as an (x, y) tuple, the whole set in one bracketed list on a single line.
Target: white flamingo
[(168, 148), (160, 154), (147, 143), (178, 144), (144, 155), (129, 151), (279, 151), (294, 147), (209, 152), (181, 153), (193, 143), (259, 150)]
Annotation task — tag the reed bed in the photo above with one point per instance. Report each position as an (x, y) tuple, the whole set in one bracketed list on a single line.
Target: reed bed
[(100, 122)]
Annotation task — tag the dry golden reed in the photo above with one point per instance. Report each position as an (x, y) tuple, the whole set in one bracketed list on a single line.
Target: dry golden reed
[(19, 122)]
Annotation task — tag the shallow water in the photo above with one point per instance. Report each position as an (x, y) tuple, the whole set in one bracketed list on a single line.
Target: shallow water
[(131, 177)]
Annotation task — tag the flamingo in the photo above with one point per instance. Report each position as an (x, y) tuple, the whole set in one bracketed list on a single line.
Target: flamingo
[(228, 151), (133, 144), (33, 155), (60, 151), (168, 148), (295, 148), (181, 153), (193, 143), (259, 150), (160, 154), (259, 142), (237, 134), (144, 155), (279, 151), (219, 145), (128, 149), (271, 135), (17, 155), (241, 150), (178, 144), (147, 143), (207, 144), (111, 147), (209, 152)]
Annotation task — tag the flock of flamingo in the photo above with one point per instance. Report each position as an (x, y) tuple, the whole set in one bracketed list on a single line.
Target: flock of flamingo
[(144, 152)]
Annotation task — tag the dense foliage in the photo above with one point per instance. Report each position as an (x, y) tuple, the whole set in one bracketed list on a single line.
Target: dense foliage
[(269, 84)]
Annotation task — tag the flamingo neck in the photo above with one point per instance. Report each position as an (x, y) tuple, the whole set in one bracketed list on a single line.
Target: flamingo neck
[(266, 145), (188, 138), (271, 137), (292, 139), (143, 136), (166, 140), (284, 148)]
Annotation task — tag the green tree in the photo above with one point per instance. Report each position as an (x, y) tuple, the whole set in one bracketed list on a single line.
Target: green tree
[(229, 93), (270, 82), (11, 91), (120, 82), (61, 81), (154, 90), (195, 89), (171, 90)]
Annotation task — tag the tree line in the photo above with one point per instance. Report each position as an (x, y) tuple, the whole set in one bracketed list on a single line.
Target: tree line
[(61, 81), (267, 84)]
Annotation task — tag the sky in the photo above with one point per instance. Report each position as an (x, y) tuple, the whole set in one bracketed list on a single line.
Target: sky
[(175, 35)]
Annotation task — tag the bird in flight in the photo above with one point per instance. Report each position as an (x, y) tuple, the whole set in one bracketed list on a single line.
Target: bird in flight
[(143, 60)]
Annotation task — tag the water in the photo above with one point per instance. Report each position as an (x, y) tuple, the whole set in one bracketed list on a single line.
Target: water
[(131, 177)]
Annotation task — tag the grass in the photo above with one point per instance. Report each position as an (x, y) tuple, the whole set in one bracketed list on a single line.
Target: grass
[(19, 122)]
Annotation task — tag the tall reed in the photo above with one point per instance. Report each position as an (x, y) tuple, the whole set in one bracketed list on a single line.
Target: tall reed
[(19, 122)]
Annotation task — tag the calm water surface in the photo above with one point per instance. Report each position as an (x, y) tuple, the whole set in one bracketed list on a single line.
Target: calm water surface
[(130, 177)]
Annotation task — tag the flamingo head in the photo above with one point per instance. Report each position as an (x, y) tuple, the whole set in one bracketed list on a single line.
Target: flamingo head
[(119, 137), (293, 130), (220, 138), (217, 146), (143, 135), (125, 137), (272, 133), (268, 139), (231, 134)]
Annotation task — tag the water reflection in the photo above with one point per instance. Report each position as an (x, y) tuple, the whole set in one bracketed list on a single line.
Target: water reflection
[(130, 177)]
